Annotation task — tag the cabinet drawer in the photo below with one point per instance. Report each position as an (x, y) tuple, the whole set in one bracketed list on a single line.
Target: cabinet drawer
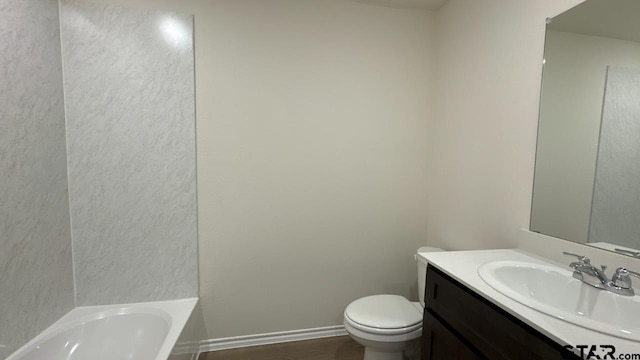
[(491, 331)]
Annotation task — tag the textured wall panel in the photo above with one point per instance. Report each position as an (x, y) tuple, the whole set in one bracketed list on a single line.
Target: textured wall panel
[(129, 83), (36, 275), (615, 210)]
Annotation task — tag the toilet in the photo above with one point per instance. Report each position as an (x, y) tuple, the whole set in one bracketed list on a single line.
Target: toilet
[(389, 326)]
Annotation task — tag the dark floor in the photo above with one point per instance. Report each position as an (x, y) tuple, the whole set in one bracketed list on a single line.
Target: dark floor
[(333, 348)]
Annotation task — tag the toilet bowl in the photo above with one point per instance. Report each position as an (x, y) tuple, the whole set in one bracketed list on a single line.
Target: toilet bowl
[(388, 326)]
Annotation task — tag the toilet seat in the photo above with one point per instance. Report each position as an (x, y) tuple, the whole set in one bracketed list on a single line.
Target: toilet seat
[(380, 338), (389, 326), (383, 315)]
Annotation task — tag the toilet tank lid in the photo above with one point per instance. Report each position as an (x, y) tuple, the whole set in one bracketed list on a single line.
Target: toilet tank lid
[(425, 249), (383, 312), (428, 249)]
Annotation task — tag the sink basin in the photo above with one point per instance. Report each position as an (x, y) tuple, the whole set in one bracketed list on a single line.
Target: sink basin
[(553, 291)]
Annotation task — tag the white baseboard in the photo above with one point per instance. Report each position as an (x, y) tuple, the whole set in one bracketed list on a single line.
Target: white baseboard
[(271, 338)]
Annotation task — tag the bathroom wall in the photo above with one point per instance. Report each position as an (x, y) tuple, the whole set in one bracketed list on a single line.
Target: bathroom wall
[(483, 137), (312, 130), (129, 87), (36, 272), (310, 160)]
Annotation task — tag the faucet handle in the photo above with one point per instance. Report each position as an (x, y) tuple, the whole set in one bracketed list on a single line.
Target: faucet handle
[(581, 258), (622, 277), (628, 272)]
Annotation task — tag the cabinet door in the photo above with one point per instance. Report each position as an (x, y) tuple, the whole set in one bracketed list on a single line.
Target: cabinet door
[(438, 343)]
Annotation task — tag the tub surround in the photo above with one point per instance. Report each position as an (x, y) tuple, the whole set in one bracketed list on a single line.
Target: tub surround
[(462, 266), (130, 113), (36, 274), (116, 171)]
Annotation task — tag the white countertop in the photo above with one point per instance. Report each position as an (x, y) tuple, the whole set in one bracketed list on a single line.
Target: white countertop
[(463, 266)]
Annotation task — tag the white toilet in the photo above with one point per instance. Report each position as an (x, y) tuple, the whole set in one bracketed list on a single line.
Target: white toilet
[(388, 326)]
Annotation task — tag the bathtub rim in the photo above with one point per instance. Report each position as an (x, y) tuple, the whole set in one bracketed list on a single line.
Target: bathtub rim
[(178, 312)]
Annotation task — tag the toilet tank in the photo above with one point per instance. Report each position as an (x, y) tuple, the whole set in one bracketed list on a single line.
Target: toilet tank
[(422, 271)]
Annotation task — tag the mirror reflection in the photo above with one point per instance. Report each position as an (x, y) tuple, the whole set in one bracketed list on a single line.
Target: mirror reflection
[(587, 175)]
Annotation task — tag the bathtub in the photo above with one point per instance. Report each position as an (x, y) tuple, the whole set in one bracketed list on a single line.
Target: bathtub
[(141, 331)]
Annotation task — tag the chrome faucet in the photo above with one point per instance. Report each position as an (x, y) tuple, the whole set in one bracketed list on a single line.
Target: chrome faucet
[(619, 284)]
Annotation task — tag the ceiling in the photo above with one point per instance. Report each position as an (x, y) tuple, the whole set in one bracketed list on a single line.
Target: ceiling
[(411, 4), (616, 19)]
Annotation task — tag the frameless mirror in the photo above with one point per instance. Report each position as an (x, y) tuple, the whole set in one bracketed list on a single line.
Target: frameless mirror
[(587, 175)]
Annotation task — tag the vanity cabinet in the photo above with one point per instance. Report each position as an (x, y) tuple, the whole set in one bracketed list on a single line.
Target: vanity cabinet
[(460, 324)]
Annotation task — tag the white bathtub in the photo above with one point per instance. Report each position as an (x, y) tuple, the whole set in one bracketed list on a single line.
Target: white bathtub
[(141, 331)]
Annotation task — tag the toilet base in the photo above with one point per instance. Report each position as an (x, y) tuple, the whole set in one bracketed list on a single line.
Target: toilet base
[(387, 347), (410, 353), (372, 354)]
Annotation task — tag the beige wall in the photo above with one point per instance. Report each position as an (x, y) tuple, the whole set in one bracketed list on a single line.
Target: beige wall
[(312, 134), (311, 168), (483, 138)]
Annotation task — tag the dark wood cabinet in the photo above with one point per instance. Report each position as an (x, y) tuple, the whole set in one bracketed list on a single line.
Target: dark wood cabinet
[(439, 343), (460, 324)]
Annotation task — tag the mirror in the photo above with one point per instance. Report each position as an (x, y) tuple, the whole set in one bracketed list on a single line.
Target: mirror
[(587, 174)]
